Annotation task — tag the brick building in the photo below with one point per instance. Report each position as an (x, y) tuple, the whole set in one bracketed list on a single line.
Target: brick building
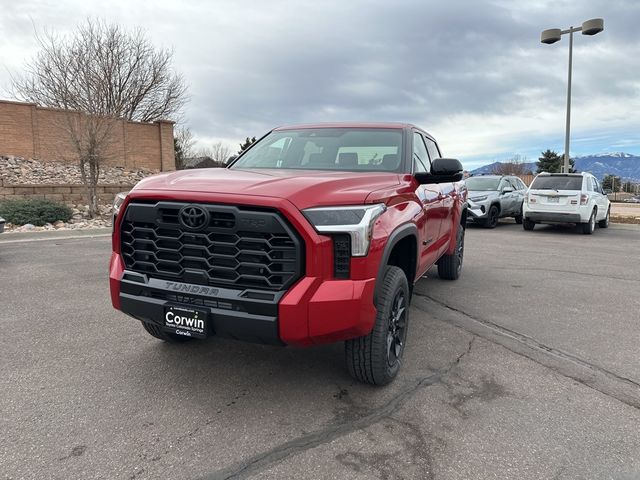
[(29, 131)]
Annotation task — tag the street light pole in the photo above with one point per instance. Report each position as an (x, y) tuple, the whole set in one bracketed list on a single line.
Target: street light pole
[(553, 35), (568, 124)]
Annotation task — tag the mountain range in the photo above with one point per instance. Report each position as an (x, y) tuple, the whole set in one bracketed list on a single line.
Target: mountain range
[(624, 165)]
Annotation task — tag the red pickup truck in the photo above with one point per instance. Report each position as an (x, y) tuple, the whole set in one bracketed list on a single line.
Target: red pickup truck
[(315, 234)]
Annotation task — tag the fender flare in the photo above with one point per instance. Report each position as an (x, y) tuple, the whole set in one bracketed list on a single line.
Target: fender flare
[(403, 231)]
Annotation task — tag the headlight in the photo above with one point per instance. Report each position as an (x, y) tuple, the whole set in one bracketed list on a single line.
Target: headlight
[(479, 199), (118, 201), (357, 221)]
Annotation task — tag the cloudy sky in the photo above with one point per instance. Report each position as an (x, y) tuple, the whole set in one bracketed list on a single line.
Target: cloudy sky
[(472, 73)]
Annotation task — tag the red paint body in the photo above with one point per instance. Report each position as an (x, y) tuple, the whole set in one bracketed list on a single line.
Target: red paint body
[(319, 308)]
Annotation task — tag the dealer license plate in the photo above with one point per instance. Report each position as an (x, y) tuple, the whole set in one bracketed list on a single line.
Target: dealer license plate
[(189, 322)]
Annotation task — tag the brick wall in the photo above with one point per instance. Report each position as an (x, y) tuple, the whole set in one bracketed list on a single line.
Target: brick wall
[(69, 194), (29, 131)]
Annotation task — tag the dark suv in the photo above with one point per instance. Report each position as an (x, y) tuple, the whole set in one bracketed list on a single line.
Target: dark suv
[(315, 234)]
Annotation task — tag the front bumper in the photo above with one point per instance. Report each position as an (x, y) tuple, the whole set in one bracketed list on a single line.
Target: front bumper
[(312, 311), (477, 210)]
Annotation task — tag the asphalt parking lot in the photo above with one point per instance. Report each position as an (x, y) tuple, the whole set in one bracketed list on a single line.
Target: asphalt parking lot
[(527, 367)]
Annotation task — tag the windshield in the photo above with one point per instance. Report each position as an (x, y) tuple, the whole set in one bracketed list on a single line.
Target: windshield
[(482, 184), (557, 182), (350, 149)]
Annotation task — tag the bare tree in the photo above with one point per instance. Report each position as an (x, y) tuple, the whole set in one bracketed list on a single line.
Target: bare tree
[(218, 152), (96, 75), (183, 144), (513, 166)]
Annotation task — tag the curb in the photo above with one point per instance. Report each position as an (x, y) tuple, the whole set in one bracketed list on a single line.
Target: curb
[(19, 237)]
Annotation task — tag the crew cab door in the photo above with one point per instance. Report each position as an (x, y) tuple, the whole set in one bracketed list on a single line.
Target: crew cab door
[(447, 193), (431, 197)]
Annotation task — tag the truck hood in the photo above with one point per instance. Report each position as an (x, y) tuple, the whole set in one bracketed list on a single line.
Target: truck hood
[(303, 188)]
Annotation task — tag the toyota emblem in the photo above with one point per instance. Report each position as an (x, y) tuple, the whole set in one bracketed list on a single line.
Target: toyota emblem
[(194, 217)]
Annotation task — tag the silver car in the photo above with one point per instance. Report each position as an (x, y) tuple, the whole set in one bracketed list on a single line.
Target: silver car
[(491, 197)]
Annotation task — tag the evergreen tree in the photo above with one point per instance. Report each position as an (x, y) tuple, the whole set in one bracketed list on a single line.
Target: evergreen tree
[(247, 143), (551, 162), (612, 183)]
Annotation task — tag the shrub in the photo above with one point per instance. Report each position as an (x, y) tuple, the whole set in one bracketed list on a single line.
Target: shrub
[(34, 210)]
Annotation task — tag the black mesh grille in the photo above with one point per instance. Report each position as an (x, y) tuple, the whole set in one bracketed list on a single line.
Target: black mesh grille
[(341, 255), (235, 248)]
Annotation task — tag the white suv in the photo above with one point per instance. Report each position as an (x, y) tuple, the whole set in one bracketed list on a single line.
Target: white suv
[(566, 198)]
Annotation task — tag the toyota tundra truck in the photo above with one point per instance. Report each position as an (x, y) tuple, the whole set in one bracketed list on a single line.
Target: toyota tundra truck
[(315, 234)]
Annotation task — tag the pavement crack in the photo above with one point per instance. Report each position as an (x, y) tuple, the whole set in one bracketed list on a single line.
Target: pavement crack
[(621, 388), (301, 444)]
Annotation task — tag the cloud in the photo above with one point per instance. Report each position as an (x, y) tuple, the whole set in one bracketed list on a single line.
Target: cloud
[(472, 73)]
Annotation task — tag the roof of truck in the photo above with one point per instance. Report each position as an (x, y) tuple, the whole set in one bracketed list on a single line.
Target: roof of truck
[(347, 125)]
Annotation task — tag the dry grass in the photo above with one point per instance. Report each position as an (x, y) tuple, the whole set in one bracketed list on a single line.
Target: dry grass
[(625, 219)]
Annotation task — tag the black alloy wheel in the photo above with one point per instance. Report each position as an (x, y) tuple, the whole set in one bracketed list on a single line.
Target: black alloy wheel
[(492, 217), (450, 266), (397, 333)]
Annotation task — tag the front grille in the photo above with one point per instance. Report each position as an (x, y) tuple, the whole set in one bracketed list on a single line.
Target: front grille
[(236, 248)]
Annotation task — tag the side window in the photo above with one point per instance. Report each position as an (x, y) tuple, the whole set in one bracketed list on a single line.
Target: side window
[(596, 186), (521, 184), (432, 148), (589, 183), (420, 156), (503, 183)]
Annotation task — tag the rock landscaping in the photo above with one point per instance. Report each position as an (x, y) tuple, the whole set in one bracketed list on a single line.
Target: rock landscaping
[(24, 171), (23, 177)]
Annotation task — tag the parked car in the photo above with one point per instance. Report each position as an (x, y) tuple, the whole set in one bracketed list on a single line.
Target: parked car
[(2, 222), (566, 198), (315, 234), (495, 196), (632, 200)]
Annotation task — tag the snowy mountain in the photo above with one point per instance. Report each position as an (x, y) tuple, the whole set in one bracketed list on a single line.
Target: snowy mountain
[(624, 165)]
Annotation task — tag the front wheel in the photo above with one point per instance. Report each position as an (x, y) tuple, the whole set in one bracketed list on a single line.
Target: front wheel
[(376, 358), (492, 217), (450, 266)]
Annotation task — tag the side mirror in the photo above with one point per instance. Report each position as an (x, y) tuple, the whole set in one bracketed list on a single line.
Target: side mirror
[(507, 190), (443, 170)]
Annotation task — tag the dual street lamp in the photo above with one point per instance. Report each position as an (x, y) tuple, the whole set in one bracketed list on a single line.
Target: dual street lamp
[(553, 35)]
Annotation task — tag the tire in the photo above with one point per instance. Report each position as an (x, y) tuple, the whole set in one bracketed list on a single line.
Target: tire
[(376, 358), (450, 266), (590, 226), (518, 218), (492, 217), (528, 224), (157, 332), (605, 222)]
